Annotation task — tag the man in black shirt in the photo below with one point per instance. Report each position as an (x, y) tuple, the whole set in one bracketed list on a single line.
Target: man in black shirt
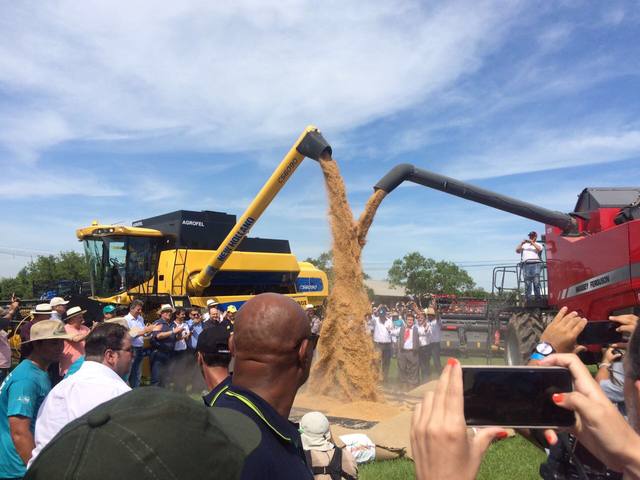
[(269, 370)]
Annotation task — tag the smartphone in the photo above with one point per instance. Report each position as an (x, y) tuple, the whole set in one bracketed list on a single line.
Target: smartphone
[(600, 332), (516, 397)]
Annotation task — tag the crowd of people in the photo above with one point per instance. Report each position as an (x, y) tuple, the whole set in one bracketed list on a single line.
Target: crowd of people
[(412, 335), (95, 416)]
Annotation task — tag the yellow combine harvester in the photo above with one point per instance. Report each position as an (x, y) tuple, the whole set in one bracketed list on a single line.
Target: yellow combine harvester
[(173, 258)]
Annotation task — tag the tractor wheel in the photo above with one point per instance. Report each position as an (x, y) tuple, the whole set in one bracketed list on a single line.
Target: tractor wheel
[(523, 334)]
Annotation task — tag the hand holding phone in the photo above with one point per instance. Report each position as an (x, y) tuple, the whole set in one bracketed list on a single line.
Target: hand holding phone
[(599, 425), (516, 397), (441, 446), (605, 333)]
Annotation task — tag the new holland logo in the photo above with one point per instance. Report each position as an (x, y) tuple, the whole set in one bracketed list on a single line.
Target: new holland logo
[(193, 223), (236, 239)]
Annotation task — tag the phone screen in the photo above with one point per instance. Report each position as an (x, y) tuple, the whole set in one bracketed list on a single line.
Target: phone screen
[(600, 332), (515, 396)]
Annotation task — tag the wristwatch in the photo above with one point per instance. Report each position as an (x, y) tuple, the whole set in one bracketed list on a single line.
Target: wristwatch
[(542, 350)]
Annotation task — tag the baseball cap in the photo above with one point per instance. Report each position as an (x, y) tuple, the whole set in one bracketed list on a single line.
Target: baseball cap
[(232, 309), (532, 233), (42, 309), (109, 309), (48, 330), (55, 301), (142, 435), (309, 306), (429, 311), (213, 340)]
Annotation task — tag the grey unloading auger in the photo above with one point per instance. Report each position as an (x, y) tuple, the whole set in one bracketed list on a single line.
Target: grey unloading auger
[(406, 171)]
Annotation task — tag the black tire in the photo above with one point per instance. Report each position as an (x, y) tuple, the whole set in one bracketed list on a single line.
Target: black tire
[(523, 334)]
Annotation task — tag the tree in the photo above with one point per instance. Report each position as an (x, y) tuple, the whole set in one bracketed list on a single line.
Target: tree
[(45, 270), (420, 276)]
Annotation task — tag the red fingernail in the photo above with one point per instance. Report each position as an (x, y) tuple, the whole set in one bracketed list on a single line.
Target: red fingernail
[(557, 397), (549, 438), (452, 361), (501, 435)]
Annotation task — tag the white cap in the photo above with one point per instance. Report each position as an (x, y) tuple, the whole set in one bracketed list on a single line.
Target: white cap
[(55, 301), (315, 433), (309, 306)]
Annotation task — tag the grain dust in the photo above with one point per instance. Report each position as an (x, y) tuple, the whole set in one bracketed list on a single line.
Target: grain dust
[(347, 366)]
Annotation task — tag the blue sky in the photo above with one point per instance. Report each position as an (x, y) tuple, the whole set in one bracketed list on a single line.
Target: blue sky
[(120, 112)]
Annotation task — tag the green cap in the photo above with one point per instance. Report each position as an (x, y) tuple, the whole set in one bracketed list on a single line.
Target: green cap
[(109, 309), (149, 433)]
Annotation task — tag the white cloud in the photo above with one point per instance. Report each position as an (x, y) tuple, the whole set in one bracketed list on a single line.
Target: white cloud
[(229, 76), (548, 150)]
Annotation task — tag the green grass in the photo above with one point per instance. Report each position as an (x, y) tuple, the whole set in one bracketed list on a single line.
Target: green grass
[(505, 460)]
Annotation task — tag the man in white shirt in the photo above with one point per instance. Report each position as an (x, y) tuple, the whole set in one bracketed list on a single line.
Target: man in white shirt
[(108, 358), (58, 308), (138, 331), (382, 328), (530, 252)]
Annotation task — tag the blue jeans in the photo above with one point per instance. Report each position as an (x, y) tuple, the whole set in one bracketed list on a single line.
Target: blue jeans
[(136, 367), (532, 278), (160, 362)]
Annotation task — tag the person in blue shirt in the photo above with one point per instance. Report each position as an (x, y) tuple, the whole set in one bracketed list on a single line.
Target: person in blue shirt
[(273, 347), (22, 393)]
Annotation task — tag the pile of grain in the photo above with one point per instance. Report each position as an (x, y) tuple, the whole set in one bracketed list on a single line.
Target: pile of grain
[(347, 366)]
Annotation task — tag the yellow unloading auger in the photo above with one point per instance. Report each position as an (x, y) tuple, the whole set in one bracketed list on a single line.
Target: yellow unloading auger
[(310, 144)]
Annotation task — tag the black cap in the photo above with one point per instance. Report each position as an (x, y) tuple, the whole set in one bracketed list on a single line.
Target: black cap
[(214, 339), (532, 234), (149, 433)]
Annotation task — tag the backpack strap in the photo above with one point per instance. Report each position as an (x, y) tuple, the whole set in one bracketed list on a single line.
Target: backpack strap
[(334, 469)]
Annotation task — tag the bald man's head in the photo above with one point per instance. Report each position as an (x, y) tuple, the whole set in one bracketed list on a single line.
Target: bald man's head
[(269, 324)]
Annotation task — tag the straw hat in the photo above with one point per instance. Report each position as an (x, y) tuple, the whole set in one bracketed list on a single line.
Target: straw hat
[(42, 309), (430, 311), (74, 312), (166, 307), (48, 330)]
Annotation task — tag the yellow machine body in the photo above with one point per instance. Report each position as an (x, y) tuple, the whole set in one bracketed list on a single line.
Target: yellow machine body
[(135, 262)]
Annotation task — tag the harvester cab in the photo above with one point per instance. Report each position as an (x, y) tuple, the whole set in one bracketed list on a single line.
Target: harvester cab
[(592, 253), (173, 258)]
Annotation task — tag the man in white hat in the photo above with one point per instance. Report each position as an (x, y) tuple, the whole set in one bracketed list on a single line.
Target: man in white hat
[(78, 331), (22, 393), (327, 461), (58, 308), (41, 312), (163, 341), (211, 303), (100, 378)]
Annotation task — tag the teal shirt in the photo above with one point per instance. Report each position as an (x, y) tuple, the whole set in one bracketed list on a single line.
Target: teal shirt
[(75, 366), (21, 394)]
